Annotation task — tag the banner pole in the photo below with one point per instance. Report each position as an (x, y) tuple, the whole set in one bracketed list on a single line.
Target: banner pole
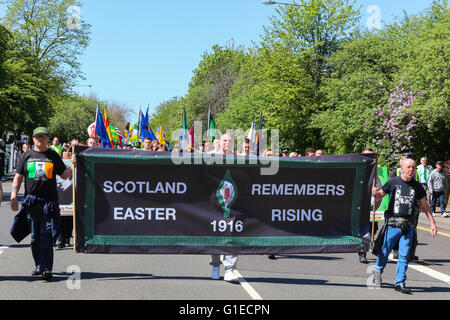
[(74, 206), (374, 201)]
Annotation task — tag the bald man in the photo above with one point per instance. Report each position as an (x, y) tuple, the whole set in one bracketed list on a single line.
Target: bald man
[(229, 261), (404, 192)]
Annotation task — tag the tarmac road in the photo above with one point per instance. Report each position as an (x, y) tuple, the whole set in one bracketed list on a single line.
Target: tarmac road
[(187, 277)]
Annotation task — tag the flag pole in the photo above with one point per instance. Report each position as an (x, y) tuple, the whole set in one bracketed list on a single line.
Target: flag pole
[(74, 204), (207, 124), (374, 201)]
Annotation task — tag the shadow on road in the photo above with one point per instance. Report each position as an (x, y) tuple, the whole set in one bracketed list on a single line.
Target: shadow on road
[(136, 276), (305, 257)]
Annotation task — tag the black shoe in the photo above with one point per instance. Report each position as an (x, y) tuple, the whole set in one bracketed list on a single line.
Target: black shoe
[(413, 258), (46, 275), (403, 289), (272, 257), (362, 259), (395, 255), (60, 245), (36, 272)]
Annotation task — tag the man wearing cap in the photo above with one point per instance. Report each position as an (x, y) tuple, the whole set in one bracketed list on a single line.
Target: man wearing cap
[(438, 186), (39, 213)]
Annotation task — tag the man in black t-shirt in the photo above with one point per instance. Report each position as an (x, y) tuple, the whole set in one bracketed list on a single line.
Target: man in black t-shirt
[(39, 167), (404, 192)]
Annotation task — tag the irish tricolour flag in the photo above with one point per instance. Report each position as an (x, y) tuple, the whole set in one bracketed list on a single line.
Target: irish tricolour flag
[(40, 170)]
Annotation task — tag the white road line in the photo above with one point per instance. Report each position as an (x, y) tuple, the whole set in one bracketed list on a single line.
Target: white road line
[(428, 271), (2, 249), (247, 287), (244, 283)]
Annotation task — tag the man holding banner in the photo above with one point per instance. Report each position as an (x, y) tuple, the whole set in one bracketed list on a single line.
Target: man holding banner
[(362, 253), (403, 192), (39, 213), (229, 261)]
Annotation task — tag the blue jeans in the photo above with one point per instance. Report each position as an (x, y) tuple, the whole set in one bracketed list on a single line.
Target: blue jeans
[(41, 237), (391, 237), (434, 197)]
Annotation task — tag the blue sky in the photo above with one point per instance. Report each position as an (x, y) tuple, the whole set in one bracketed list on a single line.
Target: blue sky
[(143, 52)]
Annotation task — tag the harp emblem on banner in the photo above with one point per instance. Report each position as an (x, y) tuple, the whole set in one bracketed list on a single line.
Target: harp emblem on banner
[(227, 193)]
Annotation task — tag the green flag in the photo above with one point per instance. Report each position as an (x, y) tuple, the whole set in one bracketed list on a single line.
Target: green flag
[(211, 133)]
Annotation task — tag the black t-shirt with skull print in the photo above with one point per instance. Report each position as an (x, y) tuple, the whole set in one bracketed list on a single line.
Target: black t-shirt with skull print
[(403, 197)]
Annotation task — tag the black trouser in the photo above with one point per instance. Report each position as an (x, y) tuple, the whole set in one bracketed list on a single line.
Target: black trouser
[(375, 229), (66, 229)]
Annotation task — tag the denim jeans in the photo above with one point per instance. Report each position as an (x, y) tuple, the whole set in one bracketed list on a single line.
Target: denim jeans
[(41, 238), (391, 237), (434, 197)]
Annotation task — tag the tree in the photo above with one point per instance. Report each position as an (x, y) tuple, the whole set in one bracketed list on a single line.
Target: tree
[(73, 115), (314, 30), (274, 84), (208, 89), (168, 115), (284, 78), (212, 81), (24, 102), (50, 34), (427, 69), (394, 126), (365, 70), (412, 54)]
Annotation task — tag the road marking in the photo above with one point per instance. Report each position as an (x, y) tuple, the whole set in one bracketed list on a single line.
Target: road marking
[(2, 249), (429, 230), (250, 290), (430, 272), (244, 283)]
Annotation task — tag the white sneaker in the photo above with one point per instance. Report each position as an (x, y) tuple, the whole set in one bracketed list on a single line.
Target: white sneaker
[(215, 275), (445, 214), (230, 277)]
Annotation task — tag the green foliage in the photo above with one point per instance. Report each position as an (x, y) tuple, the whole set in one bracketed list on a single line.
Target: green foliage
[(212, 81), (72, 117), (314, 30), (39, 47), (24, 99), (48, 34), (276, 85), (413, 54), (313, 76), (364, 71), (284, 78), (168, 115)]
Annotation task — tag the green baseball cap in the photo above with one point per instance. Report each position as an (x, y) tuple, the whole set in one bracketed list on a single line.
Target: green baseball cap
[(41, 130)]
